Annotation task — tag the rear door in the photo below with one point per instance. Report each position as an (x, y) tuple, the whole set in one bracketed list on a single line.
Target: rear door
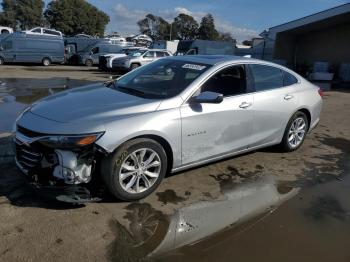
[(275, 100), (210, 130)]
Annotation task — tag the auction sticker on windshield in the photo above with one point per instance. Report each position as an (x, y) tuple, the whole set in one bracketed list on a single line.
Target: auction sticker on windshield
[(194, 67)]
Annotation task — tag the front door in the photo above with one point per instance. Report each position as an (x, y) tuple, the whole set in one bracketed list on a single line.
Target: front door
[(210, 130)]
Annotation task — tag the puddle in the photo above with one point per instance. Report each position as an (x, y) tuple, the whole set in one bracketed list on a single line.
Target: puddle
[(313, 226), (150, 233), (17, 93)]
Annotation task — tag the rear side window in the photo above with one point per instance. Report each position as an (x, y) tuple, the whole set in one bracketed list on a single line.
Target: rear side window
[(160, 54), (266, 77), (50, 32), (289, 79)]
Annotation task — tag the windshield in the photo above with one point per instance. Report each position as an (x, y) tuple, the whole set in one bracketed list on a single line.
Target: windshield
[(164, 78)]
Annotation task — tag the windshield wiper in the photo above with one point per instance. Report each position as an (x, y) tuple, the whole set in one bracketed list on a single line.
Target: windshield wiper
[(131, 90)]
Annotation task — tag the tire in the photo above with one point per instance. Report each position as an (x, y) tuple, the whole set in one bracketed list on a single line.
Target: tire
[(134, 66), (295, 132), (134, 186), (2, 61), (89, 63), (46, 61)]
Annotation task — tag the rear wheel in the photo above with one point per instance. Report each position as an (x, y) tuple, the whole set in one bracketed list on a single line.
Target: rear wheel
[(46, 61), (295, 132), (135, 170), (89, 63)]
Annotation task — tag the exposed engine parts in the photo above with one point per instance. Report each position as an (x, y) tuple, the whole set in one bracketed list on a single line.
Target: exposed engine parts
[(70, 169)]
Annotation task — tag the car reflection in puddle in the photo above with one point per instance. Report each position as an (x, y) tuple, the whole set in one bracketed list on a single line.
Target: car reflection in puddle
[(150, 233), (17, 93)]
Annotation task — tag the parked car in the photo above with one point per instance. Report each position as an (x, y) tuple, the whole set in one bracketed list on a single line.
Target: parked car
[(106, 61), (27, 48), (170, 115), (91, 55), (138, 58), (142, 40), (5, 30), (205, 47), (44, 31)]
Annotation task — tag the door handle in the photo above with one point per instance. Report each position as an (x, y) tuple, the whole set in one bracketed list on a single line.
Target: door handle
[(245, 105), (288, 97)]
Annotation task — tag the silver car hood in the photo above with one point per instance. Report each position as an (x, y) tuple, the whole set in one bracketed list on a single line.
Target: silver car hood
[(91, 103)]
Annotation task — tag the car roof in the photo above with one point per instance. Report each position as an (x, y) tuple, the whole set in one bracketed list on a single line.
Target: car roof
[(212, 59)]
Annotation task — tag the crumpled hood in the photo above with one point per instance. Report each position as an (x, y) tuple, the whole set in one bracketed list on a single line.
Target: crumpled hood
[(93, 103)]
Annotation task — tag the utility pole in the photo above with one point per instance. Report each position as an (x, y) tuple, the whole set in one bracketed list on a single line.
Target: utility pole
[(171, 30)]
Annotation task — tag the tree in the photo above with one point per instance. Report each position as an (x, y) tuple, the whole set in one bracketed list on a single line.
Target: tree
[(29, 13), (185, 27), (207, 29), (247, 42), (155, 27), (76, 16), (8, 16), (227, 37)]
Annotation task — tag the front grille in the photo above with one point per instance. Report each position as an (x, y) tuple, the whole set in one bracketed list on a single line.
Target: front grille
[(27, 156), (29, 133)]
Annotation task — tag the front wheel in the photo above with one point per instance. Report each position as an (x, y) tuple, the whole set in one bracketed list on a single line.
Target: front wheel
[(46, 61), (135, 170), (295, 132)]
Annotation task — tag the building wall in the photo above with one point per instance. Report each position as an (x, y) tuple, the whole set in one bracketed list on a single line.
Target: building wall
[(331, 45)]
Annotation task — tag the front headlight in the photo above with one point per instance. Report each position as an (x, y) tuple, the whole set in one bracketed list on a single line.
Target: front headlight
[(72, 141)]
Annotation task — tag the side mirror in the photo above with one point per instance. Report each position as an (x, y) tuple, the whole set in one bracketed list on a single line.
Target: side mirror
[(208, 97)]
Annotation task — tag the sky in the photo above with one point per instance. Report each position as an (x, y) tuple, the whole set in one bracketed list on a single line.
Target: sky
[(244, 19)]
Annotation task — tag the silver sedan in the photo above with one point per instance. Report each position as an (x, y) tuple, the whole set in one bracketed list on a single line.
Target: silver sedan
[(170, 115)]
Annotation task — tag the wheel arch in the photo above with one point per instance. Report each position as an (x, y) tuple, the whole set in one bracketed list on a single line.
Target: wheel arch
[(307, 113), (161, 140)]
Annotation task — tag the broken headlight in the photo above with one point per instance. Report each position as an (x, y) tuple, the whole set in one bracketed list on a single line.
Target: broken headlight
[(70, 141)]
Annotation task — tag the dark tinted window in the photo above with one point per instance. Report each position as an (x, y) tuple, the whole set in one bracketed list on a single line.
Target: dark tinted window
[(289, 79), (95, 50), (47, 31), (229, 81), (266, 77), (38, 30), (160, 54)]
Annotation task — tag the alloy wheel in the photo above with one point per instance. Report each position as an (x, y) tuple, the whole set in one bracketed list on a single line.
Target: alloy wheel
[(296, 132), (140, 170)]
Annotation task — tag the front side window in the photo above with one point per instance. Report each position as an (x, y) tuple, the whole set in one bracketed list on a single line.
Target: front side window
[(266, 77), (163, 78), (228, 82), (95, 50)]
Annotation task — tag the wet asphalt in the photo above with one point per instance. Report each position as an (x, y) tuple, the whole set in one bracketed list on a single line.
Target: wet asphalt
[(262, 206)]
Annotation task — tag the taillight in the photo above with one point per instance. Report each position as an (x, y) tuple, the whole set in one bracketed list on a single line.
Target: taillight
[(320, 92)]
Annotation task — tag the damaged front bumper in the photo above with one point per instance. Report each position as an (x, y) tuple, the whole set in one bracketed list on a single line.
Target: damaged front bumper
[(61, 174)]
